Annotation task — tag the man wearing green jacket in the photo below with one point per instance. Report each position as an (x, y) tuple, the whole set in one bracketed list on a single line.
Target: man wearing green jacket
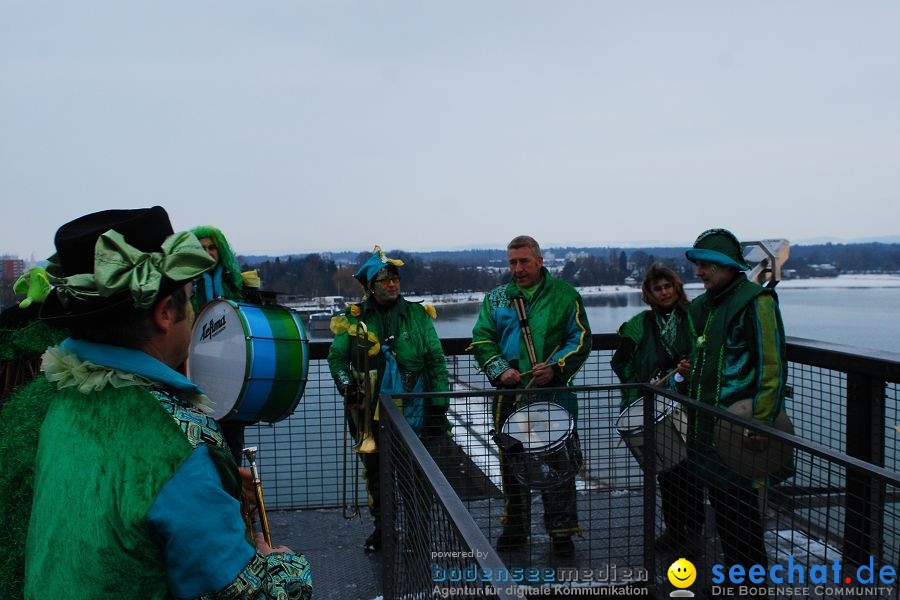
[(740, 353), (561, 340), (133, 493), (388, 344)]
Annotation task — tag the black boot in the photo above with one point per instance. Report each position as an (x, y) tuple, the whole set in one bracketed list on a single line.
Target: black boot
[(373, 542)]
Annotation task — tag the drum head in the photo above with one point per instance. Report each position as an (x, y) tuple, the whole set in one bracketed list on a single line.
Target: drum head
[(218, 355), (539, 425), (631, 419)]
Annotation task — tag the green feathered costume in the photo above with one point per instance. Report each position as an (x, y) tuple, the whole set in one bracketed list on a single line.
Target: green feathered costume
[(222, 281)]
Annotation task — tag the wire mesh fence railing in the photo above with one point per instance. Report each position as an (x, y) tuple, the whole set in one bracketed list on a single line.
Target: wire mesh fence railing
[(843, 406), (736, 495), (432, 546), (304, 456)]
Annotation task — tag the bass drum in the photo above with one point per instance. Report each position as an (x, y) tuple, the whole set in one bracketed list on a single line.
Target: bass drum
[(252, 360)]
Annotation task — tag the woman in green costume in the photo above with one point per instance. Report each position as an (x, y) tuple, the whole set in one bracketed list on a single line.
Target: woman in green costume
[(652, 344), (223, 280)]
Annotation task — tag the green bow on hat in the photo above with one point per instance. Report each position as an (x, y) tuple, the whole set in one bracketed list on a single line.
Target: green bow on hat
[(120, 267)]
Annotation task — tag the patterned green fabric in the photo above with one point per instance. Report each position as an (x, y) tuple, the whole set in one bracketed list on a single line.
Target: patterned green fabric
[(740, 354), (642, 355), (289, 574), (198, 428)]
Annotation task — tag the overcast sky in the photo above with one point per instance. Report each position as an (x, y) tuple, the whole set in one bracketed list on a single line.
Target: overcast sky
[(297, 126)]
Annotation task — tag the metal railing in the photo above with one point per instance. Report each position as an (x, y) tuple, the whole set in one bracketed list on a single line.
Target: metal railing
[(302, 457), (814, 516), (430, 539), (840, 502)]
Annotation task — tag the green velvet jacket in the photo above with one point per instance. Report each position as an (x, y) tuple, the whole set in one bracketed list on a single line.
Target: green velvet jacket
[(79, 474), (641, 355), (740, 354), (557, 319)]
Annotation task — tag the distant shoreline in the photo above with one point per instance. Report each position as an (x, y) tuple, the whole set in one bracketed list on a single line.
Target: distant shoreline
[(839, 282)]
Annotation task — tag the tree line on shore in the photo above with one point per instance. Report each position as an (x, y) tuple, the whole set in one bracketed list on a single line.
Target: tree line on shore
[(480, 270)]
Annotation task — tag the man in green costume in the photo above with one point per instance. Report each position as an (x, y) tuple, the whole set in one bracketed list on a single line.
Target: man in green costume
[(561, 343), (740, 353), (395, 340), (134, 493)]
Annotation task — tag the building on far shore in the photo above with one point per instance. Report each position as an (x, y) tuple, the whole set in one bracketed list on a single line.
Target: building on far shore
[(11, 267)]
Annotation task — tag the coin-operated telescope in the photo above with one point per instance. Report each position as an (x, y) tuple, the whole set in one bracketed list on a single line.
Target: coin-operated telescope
[(766, 257)]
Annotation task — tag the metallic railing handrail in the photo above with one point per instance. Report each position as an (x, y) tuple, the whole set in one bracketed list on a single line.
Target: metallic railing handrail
[(886, 475), (877, 363), (881, 473), (460, 517)]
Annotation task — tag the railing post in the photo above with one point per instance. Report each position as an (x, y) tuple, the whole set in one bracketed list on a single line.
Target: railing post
[(864, 508), (388, 502), (648, 457)]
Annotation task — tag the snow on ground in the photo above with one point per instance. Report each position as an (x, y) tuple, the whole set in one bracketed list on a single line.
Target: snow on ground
[(841, 281), (844, 281)]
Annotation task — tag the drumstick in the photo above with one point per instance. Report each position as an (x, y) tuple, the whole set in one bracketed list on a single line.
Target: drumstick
[(662, 380), (519, 305), (666, 377), (531, 370)]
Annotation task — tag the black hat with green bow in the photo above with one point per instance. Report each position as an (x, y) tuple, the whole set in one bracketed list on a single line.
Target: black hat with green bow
[(116, 258)]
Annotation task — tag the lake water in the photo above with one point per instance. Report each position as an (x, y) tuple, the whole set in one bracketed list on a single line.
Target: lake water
[(865, 317)]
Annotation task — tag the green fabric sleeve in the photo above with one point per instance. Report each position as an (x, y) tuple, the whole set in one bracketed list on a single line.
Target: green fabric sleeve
[(484, 345), (435, 363), (339, 360), (767, 333), (577, 343)]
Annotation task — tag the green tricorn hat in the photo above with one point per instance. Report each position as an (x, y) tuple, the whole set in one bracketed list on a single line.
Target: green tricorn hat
[(720, 247)]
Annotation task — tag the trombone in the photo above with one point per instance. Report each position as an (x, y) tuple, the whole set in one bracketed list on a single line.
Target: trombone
[(366, 443), (362, 386)]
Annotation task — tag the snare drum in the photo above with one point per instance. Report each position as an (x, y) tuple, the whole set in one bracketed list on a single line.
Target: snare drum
[(670, 430), (550, 454), (253, 361)]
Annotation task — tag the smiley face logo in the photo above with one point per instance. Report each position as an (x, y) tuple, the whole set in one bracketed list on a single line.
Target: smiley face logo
[(682, 573)]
